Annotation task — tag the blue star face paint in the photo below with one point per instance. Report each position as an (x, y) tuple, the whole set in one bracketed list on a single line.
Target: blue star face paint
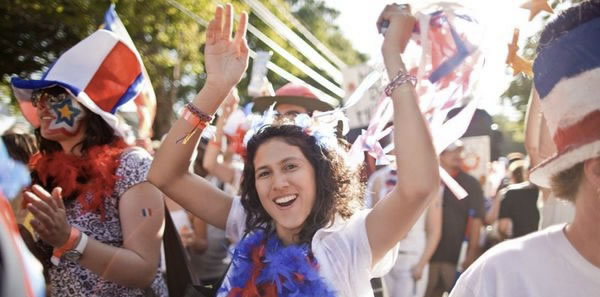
[(60, 114)]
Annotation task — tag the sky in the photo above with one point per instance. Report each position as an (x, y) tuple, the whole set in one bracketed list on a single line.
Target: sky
[(357, 22), (362, 34)]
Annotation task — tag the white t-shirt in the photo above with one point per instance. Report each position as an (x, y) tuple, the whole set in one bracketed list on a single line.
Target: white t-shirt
[(543, 263), (342, 251), (555, 211)]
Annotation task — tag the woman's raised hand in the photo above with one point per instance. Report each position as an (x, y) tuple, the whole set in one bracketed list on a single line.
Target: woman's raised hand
[(225, 59), (400, 23)]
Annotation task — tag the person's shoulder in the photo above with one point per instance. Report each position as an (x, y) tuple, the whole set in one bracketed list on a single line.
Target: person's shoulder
[(466, 178), (133, 168), (520, 250), (135, 158), (135, 154), (510, 266), (342, 228), (521, 186)]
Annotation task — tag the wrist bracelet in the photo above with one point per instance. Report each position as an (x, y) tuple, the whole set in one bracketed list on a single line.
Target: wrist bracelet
[(401, 78), (201, 115), (197, 118)]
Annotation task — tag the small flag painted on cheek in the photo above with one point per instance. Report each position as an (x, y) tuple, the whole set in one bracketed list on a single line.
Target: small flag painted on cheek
[(146, 212)]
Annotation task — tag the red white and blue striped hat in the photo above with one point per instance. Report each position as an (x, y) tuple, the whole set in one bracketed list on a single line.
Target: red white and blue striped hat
[(567, 78), (102, 72)]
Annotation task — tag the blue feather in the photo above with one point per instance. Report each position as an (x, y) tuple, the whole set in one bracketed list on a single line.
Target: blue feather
[(281, 265)]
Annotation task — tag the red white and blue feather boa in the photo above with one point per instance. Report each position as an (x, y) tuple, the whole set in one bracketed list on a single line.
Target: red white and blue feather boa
[(264, 267)]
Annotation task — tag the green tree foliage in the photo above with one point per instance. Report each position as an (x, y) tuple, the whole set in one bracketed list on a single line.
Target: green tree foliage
[(36, 32), (517, 94), (316, 17)]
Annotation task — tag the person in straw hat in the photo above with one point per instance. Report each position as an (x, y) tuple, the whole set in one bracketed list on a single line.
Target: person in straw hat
[(561, 260), (292, 99)]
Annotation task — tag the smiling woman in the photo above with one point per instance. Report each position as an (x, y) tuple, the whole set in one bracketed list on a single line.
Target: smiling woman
[(288, 162), (298, 224)]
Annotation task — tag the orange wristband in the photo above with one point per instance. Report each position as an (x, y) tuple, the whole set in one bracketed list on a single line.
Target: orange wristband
[(69, 245), (190, 117), (197, 118)]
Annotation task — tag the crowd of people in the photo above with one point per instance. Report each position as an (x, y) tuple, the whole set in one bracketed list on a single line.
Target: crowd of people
[(271, 204)]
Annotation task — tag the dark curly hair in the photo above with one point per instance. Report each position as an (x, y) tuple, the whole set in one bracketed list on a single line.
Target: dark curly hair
[(339, 190), (97, 130)]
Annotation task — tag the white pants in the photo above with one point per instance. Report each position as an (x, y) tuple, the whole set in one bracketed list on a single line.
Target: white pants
[(399, 281)]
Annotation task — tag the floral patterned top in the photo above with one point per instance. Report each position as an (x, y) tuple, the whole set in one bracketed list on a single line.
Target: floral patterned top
[(71, 279)]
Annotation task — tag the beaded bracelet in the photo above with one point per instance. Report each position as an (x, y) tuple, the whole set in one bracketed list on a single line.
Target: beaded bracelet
[(197, 118), (201, 115), (401, 78)]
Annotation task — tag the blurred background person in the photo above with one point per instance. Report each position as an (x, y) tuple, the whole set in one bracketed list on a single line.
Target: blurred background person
[(518, 213), (461, 219), (20, 147), (292, 99), (226, 166), (209, 251), (561, 260), (409, 275)]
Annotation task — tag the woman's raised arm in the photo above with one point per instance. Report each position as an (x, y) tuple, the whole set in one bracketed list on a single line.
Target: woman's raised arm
[(226, 59), (416, 160)]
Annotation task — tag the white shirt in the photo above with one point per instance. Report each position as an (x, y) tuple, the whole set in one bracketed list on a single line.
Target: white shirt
[(543, 263), (342, 251)]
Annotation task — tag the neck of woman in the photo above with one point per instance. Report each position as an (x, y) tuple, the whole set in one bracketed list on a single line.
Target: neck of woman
[(71, 147), (288, 236)]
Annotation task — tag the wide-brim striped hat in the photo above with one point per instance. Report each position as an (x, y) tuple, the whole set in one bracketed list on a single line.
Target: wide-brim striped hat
[(567, 78), (102, 72)]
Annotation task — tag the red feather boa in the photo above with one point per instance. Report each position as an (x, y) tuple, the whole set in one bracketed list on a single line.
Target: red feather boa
[(97, 168)]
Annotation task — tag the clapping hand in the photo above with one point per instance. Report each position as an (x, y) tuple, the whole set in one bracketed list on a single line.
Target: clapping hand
[(50, 218)]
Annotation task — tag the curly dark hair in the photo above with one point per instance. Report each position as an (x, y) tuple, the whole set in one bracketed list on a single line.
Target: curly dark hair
[(565, 184), (97, 130), (338, 187)]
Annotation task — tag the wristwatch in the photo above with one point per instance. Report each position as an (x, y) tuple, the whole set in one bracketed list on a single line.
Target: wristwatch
[(72, 249), (75, 254)]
